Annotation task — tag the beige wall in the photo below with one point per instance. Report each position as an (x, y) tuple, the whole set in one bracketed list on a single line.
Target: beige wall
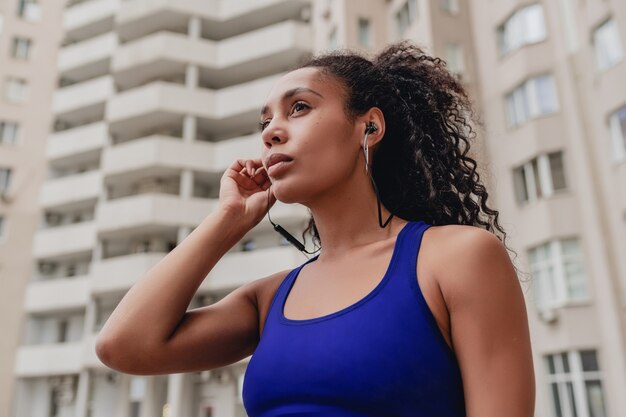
[(590, 208), (27, 158)]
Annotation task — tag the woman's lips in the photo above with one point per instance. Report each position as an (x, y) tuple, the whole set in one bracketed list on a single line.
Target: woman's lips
[(278, 168)]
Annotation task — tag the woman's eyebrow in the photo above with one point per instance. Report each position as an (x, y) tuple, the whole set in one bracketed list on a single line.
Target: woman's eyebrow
[(291, 93)]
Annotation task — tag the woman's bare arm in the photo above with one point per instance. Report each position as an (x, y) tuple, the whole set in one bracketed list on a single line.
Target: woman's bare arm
[(150, 331), (489, 323)]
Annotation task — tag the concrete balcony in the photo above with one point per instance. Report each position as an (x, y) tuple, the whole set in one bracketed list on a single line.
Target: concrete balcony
[(89, 19), (90, 359), (611, 98), (160, 103), (156, 213), (48, 360), (83, 101), (58, 295), (73, 191), (117, 275), (231, 61), (220, 18), (522, 63), (150, 213), (154, 156), (163, 156), (541, 220), (87, 59), (536, 136), (238, 268), (75, 146), (65, 242), (225, 152)]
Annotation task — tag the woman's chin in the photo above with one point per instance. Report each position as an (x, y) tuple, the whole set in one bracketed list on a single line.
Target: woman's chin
[(285, 193)]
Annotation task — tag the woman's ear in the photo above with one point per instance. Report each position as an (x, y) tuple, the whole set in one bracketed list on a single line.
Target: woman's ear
[(374, 117)]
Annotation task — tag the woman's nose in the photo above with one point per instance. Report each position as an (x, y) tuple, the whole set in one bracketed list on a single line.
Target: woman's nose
[(272, 135)]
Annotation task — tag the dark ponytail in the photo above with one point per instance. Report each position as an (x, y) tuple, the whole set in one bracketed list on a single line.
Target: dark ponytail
[(422, 167)]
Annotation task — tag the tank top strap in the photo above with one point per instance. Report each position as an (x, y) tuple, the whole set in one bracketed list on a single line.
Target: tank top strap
[(410, 246), (273, 314)]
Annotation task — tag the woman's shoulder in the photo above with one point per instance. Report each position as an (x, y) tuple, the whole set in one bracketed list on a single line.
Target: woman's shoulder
[(460, 254)]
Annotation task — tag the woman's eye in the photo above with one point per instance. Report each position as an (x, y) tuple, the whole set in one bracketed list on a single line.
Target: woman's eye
[(300, 103), (263, 125)]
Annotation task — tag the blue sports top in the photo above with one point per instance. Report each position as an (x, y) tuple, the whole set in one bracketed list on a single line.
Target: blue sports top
[(382, 356)]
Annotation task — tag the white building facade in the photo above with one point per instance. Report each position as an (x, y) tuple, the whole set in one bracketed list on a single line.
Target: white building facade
[(157, 97)]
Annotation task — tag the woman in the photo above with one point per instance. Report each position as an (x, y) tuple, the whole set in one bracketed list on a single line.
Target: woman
[(444, 333)]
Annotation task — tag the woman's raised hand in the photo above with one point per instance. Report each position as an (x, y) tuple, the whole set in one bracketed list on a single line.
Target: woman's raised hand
[(243, 190)]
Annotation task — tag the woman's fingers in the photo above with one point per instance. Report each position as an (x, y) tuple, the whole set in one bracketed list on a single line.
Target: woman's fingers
[(251, 171)]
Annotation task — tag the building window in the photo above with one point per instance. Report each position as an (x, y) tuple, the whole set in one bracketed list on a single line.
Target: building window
[(240, 378), (21, 48), (454, 58), (617, 126), (63, 331), (8, 133), (540, 177), (248, 245), (333, 42), (558, 274), (365, 32), (2, 229), (16, 90), (450, 6), (29, 10), (137, 392), (5, 179), (607, 45), (405, 16), (533, 98), (575, 383), (526, 26)]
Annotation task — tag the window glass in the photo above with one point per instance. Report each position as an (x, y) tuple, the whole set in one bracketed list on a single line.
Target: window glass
[(575, 279), (546, 94), (557, 170), (450, 6), (15, 89), (534, 97), (365, 35), (607, 45), (556, 400), (332, 39), (5, 179), (578, 389), (595, 398), (617, 128), (589, 360), (29, 10), (525, 26), (2, 221), (8, 133), (21, 48)]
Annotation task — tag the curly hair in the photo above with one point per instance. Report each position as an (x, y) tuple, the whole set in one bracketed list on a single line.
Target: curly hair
[(421, 167)]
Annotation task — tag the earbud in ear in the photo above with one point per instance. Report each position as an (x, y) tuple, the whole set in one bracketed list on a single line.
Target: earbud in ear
[(371, 128)]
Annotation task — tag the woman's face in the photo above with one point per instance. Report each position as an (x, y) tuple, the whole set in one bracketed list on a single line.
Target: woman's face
[(305, 110)]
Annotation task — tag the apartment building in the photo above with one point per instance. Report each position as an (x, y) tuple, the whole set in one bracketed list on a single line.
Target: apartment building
[(29, 34), (155, 98), (551, 77)]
